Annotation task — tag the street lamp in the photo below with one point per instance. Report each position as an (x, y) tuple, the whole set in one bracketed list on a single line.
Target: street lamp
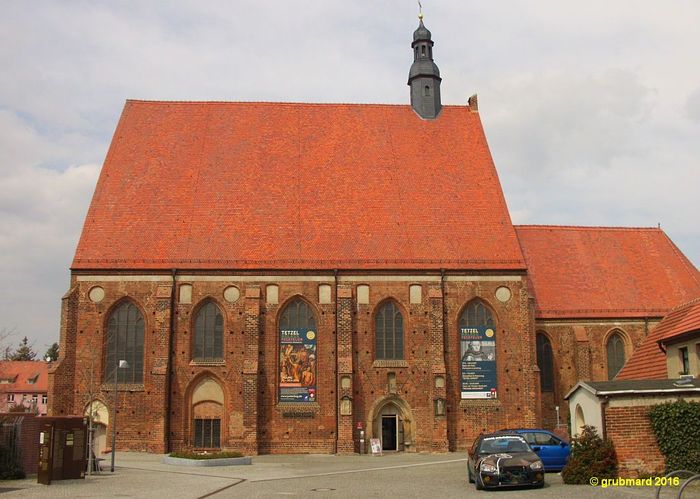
[(121, 364)]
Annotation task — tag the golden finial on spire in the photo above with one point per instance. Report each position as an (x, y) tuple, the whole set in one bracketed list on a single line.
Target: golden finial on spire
[(420, 11)]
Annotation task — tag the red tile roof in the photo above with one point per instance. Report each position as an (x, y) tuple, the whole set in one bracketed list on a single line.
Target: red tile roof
[(292, 186), (688, 321), (21, 372), (648, 361), (580, 272)]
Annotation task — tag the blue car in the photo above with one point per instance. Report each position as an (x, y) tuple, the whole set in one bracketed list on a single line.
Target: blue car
[(552, 450)]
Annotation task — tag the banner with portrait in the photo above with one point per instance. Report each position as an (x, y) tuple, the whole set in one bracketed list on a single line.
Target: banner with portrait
[(478, 362), (297, 381)]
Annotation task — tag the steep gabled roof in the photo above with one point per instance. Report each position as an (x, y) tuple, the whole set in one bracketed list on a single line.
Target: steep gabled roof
[(648, 361), (580, 272), (295, 186), (27, 376)]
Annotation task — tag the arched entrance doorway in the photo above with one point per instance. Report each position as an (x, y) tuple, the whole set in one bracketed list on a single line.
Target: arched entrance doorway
[(391, 421), (100, 419), (206, 415)]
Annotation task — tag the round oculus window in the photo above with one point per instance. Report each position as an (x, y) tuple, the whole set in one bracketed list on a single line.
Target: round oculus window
[(96, 294), (503, 294), (232, 294)]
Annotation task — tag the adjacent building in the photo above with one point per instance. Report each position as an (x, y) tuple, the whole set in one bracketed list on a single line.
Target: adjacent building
[(24, 386)]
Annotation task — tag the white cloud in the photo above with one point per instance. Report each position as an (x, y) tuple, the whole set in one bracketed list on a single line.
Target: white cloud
[(592, 112)]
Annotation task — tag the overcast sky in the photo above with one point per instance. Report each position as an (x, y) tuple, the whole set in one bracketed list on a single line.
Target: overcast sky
[(592, 109)]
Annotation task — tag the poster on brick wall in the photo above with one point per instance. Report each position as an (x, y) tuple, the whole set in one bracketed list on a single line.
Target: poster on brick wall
[(478, 354), (297, 365)]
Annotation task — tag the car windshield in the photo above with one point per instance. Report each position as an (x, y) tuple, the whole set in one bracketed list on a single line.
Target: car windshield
[(496, 445)]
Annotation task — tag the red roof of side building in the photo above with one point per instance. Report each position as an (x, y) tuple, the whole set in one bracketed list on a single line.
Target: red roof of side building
[(648, 361), (21, 373), (206, 185), (599, 272)]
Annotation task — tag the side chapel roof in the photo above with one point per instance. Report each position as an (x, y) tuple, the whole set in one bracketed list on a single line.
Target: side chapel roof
[(605, 272)]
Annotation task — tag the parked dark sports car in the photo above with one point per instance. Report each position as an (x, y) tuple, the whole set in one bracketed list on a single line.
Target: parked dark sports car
[(503, 460)]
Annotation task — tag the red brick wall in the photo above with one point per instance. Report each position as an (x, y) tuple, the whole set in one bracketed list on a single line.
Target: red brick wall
[(253, 420), (516, 405), (579, 353), (630, 430)]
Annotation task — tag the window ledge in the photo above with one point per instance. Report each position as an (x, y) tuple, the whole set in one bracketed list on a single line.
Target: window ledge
[(123, 387), (389, 363), (205, 363), (307, 406), (490, 403)]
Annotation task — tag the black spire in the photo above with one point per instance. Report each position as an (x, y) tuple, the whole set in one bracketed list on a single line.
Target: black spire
[(424, 77)]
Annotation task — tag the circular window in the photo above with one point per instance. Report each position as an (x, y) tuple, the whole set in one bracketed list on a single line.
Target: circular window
[(232, 294), (503, 294), (96, 294)]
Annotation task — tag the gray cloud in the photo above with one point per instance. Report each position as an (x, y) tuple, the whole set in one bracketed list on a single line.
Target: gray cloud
[(693, 106), (586, 109)]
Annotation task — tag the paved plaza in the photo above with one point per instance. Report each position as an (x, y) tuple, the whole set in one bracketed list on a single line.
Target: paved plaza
[(310, 476)]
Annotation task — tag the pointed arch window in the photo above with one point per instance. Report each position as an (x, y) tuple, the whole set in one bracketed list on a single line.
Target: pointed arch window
[(545, 363), (388, 324), (208, 334), (297, 353), (476, 314), (616, 354), (125, 328)]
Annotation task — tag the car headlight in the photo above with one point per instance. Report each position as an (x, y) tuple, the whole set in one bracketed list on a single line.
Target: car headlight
[(489, 468), (537, 465)]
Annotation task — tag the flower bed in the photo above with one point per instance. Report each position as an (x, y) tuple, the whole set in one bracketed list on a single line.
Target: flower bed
[(206, 459)]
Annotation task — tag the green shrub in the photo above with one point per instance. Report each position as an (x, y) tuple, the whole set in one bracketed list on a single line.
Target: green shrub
[(591, 456), (676, 427), (202, 455)]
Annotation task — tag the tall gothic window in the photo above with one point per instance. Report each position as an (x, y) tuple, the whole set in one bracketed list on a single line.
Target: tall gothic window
[(298, 315), (476, 314), (297, 354), (125, 342), (389, 332), (616, 354), (209, 334), (545, 363)]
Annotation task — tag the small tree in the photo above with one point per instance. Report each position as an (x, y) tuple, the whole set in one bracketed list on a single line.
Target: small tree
[(591, 456), (24, 352), (5, 349), (52, 353)]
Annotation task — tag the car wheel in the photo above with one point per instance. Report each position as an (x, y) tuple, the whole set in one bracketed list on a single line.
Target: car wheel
[(478, 483), (469, 472)]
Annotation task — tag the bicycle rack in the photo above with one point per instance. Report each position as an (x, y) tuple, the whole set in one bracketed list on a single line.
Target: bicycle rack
[(691, 477)]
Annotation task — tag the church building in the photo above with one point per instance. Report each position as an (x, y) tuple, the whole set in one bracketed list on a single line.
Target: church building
[(277, 277)]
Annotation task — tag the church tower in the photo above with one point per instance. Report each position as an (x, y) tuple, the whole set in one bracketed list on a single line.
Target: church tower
[(424, 77)]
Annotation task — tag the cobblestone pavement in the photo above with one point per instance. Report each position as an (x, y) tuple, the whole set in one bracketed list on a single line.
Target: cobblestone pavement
[(310, 476)]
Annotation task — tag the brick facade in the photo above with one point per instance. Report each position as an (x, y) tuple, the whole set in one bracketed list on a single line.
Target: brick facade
[(579, 353), (348, 373)]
